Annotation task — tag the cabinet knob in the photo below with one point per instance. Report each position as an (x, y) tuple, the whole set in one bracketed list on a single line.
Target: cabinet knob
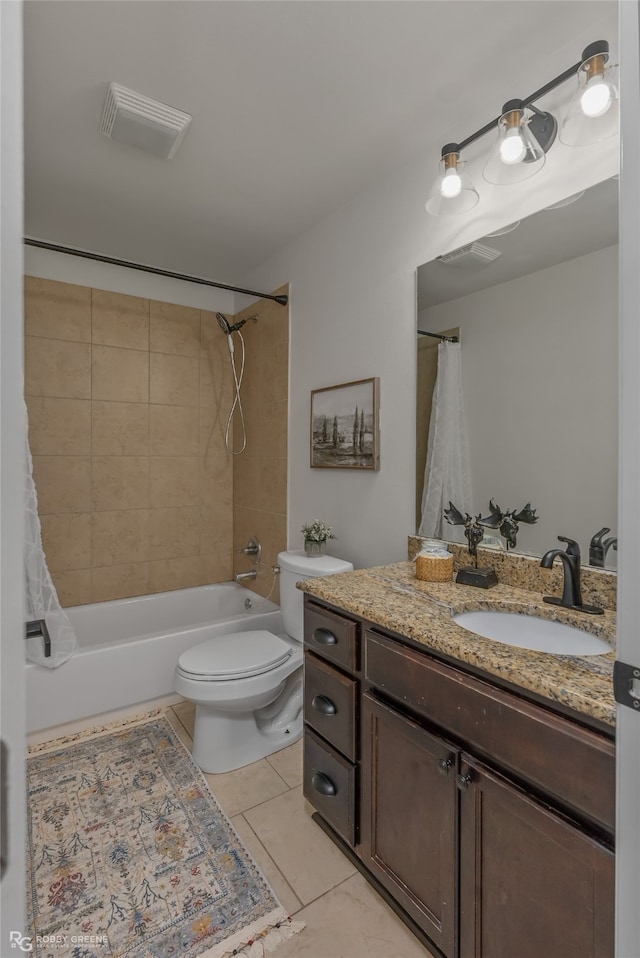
[(323, 784), (324, 637), (463, 781), (445, 765), (322, 703)]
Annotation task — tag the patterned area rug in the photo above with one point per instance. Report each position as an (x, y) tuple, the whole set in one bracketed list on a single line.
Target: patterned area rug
[(130, 854)]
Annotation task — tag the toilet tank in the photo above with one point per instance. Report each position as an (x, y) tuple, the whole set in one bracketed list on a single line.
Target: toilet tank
[(294, 566)]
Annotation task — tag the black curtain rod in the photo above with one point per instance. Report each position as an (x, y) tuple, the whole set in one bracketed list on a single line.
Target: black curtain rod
[(445, 339), (281, 299)]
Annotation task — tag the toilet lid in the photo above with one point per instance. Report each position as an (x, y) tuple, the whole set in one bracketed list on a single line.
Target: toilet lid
[(235, 655)]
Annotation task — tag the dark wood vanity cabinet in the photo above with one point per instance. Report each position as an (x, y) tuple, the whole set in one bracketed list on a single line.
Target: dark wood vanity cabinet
[(488, 819), (531, 882), (409, 833), (332, 652)]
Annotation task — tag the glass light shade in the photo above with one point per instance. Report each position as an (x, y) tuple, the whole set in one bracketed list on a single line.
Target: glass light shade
[(594, 111), (516, 154), (453, 192)]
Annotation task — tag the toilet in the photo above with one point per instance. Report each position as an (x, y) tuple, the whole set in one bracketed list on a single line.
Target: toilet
[(247, 686)]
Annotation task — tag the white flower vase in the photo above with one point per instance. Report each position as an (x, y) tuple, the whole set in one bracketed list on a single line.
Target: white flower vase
[(313, 548)]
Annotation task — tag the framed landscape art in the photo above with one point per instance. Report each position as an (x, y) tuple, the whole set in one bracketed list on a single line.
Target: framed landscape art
[(345, 427)]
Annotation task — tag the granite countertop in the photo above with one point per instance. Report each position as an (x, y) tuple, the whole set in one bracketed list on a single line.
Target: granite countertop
[(392, 597)]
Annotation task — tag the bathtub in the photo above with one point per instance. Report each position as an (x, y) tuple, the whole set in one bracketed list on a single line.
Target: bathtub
[(128, 649)]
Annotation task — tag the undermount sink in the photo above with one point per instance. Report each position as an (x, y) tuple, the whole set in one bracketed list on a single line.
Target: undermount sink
[(530, 632)]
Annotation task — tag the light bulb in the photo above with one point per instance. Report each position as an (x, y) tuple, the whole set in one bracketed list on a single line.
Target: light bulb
[(512, 148), (596, 99), (451, 183)]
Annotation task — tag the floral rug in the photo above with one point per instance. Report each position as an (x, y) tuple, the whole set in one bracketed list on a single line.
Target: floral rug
[(130, 854)]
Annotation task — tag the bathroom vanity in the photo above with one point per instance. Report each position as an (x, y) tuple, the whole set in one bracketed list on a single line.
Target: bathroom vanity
[(473, 784)]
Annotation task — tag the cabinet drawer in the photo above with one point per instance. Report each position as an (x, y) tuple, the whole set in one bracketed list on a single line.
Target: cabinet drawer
[(330, 635), (568, 762), (330, 785), (330, 704)]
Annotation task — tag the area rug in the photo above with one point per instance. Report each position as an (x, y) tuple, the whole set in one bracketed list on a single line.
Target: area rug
[(129, 854)]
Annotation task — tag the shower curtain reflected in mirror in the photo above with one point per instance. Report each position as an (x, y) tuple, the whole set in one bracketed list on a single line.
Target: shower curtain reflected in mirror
[(447, 476), (41, 596)]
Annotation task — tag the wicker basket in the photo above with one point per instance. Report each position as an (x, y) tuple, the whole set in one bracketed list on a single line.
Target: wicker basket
[(434, 568)]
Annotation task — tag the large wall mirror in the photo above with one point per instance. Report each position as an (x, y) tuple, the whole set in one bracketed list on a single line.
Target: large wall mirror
[(538, 327)]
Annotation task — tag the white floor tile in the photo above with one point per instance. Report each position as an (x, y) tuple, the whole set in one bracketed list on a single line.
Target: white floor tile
[(352, 921), (288, 763), (307, 858), (186, 712), (245, 787), (275, 877)]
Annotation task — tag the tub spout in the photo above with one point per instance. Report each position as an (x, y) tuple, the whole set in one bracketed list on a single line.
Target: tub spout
[(244, 576)]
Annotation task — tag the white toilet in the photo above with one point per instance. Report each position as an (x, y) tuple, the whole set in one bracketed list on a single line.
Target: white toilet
[(247, 686)]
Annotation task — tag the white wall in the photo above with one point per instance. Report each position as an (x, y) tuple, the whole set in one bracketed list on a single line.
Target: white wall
[(116, 279), (540, 383), (353, 315)]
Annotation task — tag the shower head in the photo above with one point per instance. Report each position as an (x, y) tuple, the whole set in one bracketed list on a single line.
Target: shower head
[(223, 322)]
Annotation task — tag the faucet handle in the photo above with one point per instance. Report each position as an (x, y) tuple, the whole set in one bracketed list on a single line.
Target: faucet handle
[(597, 538), (573, 549)]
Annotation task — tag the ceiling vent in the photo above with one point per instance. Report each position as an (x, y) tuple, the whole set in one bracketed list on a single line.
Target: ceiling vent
[(471, 254), (137, 120)]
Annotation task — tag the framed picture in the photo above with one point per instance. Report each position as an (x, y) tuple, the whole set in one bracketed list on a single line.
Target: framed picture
[(344, 426)]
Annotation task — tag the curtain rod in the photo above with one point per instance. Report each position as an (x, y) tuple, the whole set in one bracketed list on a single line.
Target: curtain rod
[(281, 299), (444, 339)]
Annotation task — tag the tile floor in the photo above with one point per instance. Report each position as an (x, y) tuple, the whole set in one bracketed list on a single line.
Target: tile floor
[(344, 917)]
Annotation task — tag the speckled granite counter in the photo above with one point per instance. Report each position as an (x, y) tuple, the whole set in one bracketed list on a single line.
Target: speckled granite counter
[(392, 597)]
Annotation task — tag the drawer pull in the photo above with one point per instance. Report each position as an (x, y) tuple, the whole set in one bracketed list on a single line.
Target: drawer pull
[(463, 781), (445, 765), (322, 703), (323, 784), (324, 637)]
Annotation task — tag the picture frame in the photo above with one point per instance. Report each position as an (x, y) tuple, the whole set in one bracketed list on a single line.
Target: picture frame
[(345, 428)]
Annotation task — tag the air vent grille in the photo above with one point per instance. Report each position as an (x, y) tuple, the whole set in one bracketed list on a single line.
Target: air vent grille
[(137, 120), (476, 253)]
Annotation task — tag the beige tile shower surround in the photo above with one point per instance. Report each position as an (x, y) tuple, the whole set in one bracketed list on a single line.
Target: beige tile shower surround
[(128, 401)]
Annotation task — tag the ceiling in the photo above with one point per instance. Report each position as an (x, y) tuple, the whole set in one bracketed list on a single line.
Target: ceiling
[(297, 106)]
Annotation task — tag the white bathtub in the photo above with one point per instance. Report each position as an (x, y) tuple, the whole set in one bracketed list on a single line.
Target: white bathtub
[(128, 649)]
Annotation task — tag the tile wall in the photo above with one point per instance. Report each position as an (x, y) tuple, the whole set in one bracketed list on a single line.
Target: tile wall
[(128, 400), (260, 473)]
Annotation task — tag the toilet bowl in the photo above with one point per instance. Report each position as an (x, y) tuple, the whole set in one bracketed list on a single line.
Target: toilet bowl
[(247, 686)]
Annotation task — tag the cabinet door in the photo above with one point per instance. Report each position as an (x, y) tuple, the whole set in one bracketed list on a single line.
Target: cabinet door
[(408, 823), (531, 883)]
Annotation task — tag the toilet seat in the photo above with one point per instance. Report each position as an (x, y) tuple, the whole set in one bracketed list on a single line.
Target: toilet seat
[(236, 655)]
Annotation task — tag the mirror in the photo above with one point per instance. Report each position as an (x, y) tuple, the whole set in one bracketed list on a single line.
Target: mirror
[(538, 327)]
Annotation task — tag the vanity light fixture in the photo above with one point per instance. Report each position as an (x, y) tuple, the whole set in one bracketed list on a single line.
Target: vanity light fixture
[(518, 153), (593, 113), (453, 192), (525, 133)]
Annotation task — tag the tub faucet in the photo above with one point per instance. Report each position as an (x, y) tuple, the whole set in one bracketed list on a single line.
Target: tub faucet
[(243, 576), (571, 590)]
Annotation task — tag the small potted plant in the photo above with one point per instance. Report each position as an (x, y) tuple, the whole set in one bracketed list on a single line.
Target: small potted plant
[(315, 535)]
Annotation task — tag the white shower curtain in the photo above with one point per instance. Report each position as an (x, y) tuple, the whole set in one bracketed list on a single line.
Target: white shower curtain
[(41, 596), (447, 476)]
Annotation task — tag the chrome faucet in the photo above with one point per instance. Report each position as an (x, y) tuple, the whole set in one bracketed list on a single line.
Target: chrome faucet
[(571, 589), (244, 576), (253, 549)]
